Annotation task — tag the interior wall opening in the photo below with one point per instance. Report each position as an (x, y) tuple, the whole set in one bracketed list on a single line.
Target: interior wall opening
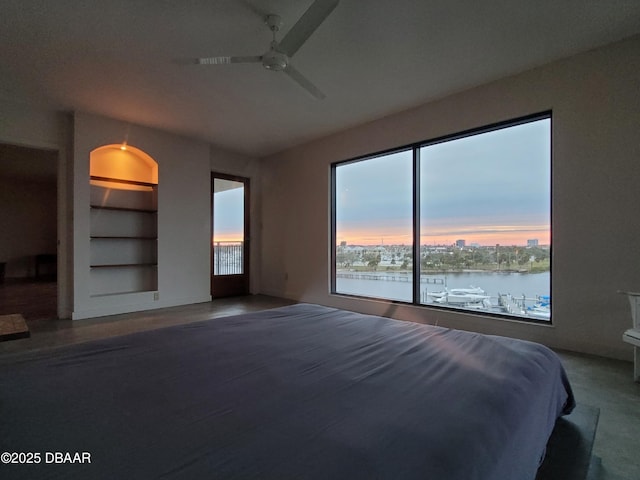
[(28, 232)]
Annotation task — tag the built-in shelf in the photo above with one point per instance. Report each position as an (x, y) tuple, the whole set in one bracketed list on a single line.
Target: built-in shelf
[(120, 180), (124, 209), (123, 236), (117, 293), (126, 265)]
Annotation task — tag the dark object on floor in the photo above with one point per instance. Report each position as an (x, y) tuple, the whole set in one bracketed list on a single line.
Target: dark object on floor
[(12, 327), (46, 265), (569, 449)]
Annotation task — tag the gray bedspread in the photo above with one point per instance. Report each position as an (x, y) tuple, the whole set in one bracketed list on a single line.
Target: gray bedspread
[(299, 392)]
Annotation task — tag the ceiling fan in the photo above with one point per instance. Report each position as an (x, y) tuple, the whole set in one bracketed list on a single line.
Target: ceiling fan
[(277, 58)]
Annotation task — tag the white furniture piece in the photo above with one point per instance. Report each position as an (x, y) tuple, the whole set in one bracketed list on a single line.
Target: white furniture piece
[(632, 335)]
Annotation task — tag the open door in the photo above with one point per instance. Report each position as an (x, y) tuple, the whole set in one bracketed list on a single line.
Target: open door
[(230, 236)]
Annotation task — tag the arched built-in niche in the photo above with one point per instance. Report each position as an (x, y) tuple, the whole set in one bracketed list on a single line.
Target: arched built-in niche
[(124, 226)]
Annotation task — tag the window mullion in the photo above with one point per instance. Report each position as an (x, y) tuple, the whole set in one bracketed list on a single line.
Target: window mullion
[(333, 253), (416, 225)]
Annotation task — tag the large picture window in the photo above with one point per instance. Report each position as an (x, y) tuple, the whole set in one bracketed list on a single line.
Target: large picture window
[(461, 222), (374, 226)]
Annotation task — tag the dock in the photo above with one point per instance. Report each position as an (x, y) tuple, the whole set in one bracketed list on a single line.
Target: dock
[(390, 277), (511, 304)]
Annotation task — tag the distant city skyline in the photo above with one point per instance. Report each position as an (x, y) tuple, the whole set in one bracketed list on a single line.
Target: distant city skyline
[(509, 236), (385, 242)]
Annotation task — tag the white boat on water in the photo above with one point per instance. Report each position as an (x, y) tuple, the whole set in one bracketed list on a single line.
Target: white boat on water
[(458, 291), (461, 296), (541, 309)]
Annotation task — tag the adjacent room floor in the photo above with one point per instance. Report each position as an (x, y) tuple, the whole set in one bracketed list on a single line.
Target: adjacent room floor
[(603, 383), (34, 299)]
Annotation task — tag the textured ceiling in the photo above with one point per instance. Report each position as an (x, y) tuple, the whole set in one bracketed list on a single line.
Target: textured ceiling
[(127, 59)]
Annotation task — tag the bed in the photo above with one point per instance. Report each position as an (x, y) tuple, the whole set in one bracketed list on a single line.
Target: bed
[(303, 391)]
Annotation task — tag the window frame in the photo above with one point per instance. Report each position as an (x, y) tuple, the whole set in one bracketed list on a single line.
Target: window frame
[(415, 148)]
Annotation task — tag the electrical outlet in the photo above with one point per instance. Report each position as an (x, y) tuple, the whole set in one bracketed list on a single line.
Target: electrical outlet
[(156, 296)]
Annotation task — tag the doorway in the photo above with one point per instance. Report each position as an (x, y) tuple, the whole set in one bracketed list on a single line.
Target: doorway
[(28, 238), (229, 236)]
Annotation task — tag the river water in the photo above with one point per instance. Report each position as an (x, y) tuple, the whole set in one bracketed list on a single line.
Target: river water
[(529, 285)]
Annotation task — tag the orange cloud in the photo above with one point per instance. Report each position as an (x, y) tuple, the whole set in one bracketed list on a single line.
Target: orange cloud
[(489, 235)]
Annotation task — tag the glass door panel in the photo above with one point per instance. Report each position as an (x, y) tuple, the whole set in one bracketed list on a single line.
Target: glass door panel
[(229, 247)]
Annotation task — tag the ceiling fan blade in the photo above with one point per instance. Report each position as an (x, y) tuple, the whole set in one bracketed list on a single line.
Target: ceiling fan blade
[(304, 82), (308, 23), (225, 60)]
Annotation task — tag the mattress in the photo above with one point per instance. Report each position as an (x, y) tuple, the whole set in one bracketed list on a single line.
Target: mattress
[(303, 391)]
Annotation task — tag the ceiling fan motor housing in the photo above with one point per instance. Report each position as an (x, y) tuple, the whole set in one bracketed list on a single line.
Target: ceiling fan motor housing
[(274, 22), (274, 60)]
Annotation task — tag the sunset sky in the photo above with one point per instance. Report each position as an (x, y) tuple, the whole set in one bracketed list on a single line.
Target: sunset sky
[(228, 215), (486, 189)]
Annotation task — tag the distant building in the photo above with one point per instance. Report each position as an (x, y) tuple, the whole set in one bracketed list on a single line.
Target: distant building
[(461, 243), (532, 243)]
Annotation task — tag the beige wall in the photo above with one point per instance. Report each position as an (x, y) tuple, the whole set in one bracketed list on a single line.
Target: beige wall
[(184, 213), (183, 217), (596, 167)]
